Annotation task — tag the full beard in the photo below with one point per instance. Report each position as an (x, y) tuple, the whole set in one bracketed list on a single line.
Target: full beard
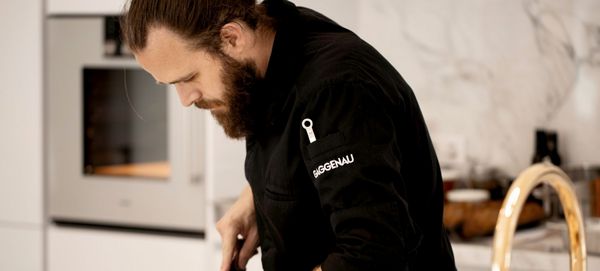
[(235, 113)]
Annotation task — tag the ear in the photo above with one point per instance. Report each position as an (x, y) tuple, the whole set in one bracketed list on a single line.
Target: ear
[(233, 39)]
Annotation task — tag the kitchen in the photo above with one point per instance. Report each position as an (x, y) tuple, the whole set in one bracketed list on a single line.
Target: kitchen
[(487, 75)]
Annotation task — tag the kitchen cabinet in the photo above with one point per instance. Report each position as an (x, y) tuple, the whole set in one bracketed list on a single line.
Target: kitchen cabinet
[(73, 249), (21, 247), (80, 7), (21, 112), (21, 170)]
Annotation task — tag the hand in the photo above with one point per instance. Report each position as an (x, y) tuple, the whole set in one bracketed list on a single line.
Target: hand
[(240, 219)]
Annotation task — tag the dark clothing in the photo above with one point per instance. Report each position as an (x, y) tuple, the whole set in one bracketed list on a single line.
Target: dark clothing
[(367, 194)]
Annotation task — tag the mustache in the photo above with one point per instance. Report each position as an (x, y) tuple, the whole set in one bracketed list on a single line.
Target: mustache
[(208, 104)]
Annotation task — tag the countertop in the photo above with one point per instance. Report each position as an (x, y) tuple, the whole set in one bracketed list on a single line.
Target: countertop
[(535, 249)]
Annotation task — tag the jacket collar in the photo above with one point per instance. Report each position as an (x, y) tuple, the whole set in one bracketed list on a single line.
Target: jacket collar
[(285, 62)]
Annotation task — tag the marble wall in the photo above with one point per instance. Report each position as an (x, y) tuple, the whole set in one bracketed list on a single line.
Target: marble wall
[(488, 73)]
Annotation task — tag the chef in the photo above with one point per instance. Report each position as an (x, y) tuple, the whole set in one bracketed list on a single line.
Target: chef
[(341, 170)]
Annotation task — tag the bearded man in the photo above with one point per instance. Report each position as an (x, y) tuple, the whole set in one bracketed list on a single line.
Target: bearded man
[(341, 170)]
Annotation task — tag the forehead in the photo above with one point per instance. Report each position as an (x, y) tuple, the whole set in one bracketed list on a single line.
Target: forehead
[(168, 56)]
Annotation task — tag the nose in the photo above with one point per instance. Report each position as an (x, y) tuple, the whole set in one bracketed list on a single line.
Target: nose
[(187, 94)]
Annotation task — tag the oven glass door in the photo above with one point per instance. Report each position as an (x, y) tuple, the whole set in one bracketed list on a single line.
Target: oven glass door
[(125, 124)]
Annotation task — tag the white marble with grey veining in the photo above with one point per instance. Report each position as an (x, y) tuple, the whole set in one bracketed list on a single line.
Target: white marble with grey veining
[(492, 71)]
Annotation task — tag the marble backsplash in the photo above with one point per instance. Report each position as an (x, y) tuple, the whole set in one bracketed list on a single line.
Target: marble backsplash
[(488, 73)]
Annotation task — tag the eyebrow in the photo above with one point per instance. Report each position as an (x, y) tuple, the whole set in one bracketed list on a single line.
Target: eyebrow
[(183, 78)]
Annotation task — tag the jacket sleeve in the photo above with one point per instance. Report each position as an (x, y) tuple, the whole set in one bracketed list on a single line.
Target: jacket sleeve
[(355, 165)]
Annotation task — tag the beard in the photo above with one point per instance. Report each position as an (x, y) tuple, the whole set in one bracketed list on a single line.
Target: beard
[(235, 112)]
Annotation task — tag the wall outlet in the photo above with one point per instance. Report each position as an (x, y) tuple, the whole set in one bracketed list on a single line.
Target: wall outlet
[(450, 149)]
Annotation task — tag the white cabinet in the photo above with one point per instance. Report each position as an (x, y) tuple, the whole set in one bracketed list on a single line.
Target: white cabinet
[(20, 248), (74, 249), (21, 112), (79, 7), (21, 137)]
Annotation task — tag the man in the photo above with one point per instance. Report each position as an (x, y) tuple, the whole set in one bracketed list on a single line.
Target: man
[(341, 170)]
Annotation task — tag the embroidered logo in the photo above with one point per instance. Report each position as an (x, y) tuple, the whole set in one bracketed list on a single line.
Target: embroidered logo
[(333, 164)]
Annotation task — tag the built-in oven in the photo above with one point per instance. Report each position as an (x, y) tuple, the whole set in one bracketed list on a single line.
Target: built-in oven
[(121, 150)]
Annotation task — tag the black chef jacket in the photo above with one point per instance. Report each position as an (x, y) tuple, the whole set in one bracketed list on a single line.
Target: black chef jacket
[(367, 193)]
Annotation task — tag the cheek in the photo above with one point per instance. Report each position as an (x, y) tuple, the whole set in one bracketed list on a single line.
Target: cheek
[(213, 86)]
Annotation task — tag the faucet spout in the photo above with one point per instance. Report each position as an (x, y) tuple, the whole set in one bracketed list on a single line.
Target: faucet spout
[(514, 201)]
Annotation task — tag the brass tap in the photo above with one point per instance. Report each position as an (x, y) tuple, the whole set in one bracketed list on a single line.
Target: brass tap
[(514, 201)]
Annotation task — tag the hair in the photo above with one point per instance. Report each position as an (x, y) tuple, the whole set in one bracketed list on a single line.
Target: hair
[(198, 21)]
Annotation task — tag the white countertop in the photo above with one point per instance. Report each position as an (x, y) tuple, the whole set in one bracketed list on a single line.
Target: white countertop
[(536, 249)]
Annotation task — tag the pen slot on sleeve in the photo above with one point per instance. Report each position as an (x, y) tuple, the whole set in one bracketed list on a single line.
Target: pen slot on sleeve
[(307, 125)]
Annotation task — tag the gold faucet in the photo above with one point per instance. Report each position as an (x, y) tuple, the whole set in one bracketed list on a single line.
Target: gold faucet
[(514, 201)]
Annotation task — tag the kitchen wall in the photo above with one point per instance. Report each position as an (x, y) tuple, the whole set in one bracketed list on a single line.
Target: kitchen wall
[(487, 73)]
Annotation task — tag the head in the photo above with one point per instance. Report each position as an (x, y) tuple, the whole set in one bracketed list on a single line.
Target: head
[(212, 51)]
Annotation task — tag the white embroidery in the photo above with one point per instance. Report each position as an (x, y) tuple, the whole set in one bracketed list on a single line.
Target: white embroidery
[(333, 164)]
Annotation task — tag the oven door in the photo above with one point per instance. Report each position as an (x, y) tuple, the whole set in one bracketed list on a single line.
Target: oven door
[(121, 150)]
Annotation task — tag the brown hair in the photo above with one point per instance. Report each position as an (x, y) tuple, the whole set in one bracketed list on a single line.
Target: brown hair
[(199, 21)]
